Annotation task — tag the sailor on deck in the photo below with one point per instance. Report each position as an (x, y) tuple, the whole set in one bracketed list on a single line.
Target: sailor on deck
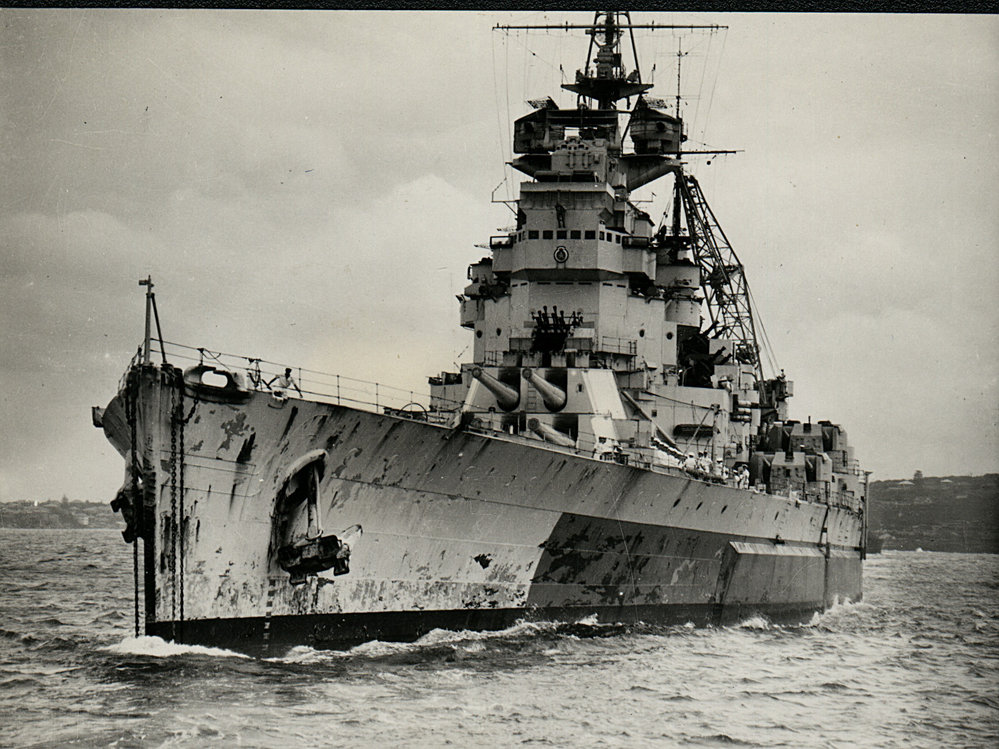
[(703, 462), (284, 382), (721, 470), (742, 478)]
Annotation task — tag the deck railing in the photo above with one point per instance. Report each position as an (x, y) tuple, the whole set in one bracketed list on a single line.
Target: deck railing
[(327, 387)]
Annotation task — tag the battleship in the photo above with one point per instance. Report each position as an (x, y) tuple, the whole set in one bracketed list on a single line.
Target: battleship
[(614, 451)]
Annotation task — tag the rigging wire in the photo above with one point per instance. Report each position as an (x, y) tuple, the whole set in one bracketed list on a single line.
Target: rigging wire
[(714, 84), (506, 72), (700, 85), (767, 346), (501, 131), (499, 121), (551, 64)]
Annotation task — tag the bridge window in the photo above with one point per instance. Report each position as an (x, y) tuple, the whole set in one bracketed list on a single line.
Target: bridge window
[(590, 234), (574, 234), (547, 234), (532, 234)]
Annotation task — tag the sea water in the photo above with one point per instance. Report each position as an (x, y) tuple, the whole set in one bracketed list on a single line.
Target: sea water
[(916, 663)]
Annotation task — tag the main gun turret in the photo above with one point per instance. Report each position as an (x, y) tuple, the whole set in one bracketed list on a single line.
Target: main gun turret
[(553, 396), (506, 396)]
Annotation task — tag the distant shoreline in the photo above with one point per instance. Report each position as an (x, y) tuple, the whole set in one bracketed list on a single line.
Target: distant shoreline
[(64, 514), (933, 513), (937, 513)]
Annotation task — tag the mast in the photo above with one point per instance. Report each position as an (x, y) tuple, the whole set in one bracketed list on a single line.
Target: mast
[(151, 314), (679, 65), (147, 338)]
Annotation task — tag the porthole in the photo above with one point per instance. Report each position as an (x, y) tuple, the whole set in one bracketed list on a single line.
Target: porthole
[(669, 336), (478, 334), (641, 333), (499, 331)]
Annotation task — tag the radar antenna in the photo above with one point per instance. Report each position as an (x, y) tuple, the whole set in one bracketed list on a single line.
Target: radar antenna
[(604, 79)]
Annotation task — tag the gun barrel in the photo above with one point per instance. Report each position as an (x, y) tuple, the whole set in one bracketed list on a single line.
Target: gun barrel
[(550, 434), (552, 395), (506, 396)]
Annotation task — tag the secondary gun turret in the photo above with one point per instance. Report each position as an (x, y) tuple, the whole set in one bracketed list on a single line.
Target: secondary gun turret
[(550, 434)]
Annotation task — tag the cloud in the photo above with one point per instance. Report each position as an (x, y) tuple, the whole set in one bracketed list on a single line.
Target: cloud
[(309, 188)]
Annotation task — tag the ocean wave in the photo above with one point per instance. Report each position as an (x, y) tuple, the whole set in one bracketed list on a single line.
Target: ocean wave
[(842, 612), (471, 641), (757, 621), (19, 680), (23, 638), (157, 647), (720, 738), (587, 627), (53, 643)]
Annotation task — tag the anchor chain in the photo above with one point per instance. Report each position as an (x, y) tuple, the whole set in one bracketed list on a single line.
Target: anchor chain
[(130, 416), (175, 416), (183, 519), (178, 422), (178, 518)]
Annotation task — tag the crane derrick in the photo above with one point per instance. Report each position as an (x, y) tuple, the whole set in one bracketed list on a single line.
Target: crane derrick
[(723, 282)]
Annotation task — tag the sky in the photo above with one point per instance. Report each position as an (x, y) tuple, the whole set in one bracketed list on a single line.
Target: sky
[(309, 187)]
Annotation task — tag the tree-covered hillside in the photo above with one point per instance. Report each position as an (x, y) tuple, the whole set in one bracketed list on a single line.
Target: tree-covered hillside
[(947, 513)]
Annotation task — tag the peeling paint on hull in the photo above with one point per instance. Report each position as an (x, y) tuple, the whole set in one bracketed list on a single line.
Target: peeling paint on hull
[(460, 530)]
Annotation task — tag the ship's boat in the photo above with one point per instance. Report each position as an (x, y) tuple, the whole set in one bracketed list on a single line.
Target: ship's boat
[(614, 448)]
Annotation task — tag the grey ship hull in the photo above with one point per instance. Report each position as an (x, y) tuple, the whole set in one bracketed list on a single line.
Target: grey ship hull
[(459, 529)]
